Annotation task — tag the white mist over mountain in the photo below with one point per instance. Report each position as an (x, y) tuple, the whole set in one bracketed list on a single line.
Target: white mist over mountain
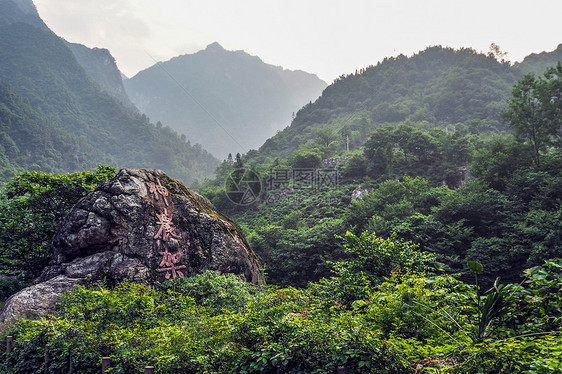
[(324, 37)]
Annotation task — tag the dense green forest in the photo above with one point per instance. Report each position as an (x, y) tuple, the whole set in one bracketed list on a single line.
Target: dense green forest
[(449, 261), (505, 214), (81, 125), (369, 317), (31, 141), (437, 87)]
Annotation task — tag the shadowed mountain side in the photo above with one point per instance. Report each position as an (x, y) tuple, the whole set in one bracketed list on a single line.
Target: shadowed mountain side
[(40, 68), (102, 69)]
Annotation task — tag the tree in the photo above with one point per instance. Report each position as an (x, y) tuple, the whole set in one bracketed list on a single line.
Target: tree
[(325, 137), (497, 163), (377, 257), (379, 150), (496, 52), (305, 159), (31, 206), (535, 110), (238, 164), (369, 259)]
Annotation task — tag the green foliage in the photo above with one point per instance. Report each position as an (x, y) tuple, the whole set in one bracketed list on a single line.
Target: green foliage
[(369, 260), (490, 307), (496, 163), (356, 167), (439, 85), (297, 255), (406, 150), (475, 267), (407, 322), (218, 292), (32, 204), (506, 230), (528, 341), (376, 257), (279, 331), (535, 110), (539, 304), (28, 140), (391, 200), (303, 160)]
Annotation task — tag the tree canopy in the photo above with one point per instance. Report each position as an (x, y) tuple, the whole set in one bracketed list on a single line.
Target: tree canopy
[(535, 110), (31, 205)]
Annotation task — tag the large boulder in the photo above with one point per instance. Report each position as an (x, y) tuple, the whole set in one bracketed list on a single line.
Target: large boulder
[(141, 225)]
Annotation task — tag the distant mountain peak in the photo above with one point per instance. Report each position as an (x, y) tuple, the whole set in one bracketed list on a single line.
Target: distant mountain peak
[(231, 102), (214, 47)]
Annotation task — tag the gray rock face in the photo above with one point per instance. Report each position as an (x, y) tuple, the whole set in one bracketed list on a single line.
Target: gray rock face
[(141, 225), (37, 300)]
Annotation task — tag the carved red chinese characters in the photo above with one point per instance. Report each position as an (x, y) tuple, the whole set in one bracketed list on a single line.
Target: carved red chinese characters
[(169, 263), (170, 260), (166, 226), (158, 189)]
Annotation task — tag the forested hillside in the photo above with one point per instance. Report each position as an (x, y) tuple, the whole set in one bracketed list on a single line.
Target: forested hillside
[(438, 151), (228, 101), (405, 245), (537, 63), (102, 69), (28, 140), (440, 86), (41, 69)]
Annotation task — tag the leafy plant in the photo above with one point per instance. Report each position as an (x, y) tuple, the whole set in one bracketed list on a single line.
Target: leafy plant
[(32, 204)]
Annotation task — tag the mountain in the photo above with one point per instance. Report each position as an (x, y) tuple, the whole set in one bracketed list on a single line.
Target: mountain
[(20, 11), (102, 69), (228, 101), (439, 86), (42, 73), (431, 161), (538, 62)]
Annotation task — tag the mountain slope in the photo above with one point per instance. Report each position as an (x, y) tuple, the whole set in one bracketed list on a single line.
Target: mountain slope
[(439, 85), (436, 87), (538, 62), (12, 11), (102, 69), (228, 101), (29, 141), (41, 68)]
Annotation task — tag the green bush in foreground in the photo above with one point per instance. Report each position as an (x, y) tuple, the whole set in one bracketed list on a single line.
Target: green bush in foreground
[(408, 322)]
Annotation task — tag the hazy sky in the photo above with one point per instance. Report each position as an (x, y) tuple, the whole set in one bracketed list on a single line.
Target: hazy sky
[(325, 37)]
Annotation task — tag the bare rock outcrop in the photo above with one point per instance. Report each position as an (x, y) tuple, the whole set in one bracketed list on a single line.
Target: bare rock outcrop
[(143, 226)]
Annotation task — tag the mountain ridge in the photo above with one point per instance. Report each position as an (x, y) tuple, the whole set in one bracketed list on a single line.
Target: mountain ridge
[(40, 68), (102, 69), (439, 85), (205, 95)]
